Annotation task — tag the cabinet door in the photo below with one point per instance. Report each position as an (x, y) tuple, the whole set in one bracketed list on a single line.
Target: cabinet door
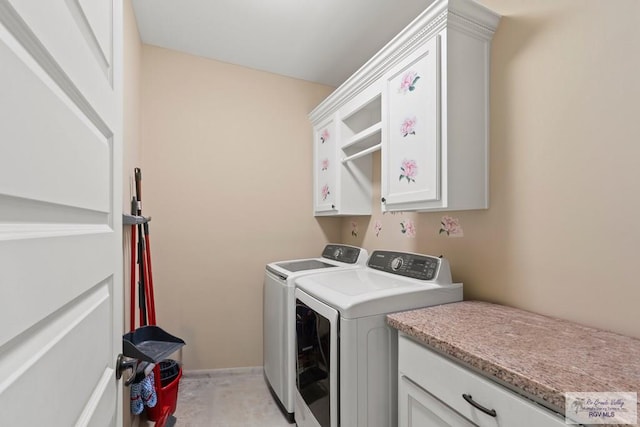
[(325, 167), (411, 167), (418, 408)]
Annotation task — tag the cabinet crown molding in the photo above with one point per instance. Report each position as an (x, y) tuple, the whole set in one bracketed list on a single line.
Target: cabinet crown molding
[(463, 15)]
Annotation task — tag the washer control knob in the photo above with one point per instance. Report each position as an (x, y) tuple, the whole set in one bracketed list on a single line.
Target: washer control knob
[(396, 263), (337, 253)]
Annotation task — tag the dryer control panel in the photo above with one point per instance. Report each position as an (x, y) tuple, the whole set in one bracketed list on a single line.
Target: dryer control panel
[(343, 253), (416, 266)]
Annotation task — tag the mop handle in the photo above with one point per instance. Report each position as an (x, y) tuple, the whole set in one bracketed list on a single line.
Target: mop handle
[(138, 175)]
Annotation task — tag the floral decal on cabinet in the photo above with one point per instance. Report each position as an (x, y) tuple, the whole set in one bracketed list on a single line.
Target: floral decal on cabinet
[(377, 227), (354, 229), (450, 226), (408, 228), (325, 191), (408, 82), (409, 170), (408, 127), (324, 136), (324, 164)]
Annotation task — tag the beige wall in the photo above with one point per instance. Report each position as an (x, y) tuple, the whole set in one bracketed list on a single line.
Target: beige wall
[(226, 155), (226, 164), (131, 146), (131, 110), (131, 128), (562, 235)]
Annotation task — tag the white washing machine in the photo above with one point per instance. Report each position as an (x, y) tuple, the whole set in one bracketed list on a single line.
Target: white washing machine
[(346, 368), (279, 315)]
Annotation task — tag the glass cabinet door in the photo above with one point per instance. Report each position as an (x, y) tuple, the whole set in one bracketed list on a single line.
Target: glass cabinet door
[(317, 359)]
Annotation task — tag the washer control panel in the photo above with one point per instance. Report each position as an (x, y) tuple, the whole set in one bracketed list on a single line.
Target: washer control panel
[(422, 267), (342, 253)]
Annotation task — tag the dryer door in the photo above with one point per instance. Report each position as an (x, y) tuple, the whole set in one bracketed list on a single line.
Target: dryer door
[(316, 402)]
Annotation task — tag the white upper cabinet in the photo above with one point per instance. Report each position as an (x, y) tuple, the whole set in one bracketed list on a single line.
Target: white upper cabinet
[(423, 100), (342, 161), (325, 167), (412, 150), (435, 153)]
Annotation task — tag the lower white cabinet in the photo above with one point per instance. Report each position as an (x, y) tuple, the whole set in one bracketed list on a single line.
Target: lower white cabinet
[(434, 391), (419, 408)]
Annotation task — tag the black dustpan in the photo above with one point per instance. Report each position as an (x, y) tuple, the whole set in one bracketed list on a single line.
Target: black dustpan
[(150, 344)]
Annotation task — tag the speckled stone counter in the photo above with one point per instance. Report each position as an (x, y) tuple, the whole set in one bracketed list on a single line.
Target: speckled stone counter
[(538, 356)]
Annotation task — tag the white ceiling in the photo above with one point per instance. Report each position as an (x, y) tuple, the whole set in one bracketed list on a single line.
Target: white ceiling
[(322, 41)]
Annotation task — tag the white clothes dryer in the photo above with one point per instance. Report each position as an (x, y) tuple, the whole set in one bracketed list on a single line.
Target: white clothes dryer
[(279, 315), (346, 352)]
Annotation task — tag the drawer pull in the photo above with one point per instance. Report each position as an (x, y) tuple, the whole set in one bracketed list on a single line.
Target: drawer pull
[(476, 405)]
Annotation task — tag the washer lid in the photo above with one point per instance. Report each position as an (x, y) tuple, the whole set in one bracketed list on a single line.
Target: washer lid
[(367, 292), (305, 264), (290, 270), (334, 255)]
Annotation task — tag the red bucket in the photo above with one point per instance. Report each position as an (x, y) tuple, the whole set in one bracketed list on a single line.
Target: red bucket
[(167, 396)]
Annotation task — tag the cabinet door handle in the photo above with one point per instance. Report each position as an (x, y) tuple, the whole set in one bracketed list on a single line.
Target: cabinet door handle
[(476, 405), (333, 206), (384, 200)]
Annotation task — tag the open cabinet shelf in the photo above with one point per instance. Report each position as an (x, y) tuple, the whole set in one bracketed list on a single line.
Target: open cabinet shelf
[(362, 153), (363, 141)]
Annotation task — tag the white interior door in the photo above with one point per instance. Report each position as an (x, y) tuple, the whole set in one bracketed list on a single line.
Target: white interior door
[(60, 212)]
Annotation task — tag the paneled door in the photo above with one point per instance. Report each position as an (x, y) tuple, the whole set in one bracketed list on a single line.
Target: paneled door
[(325, 168), (60, 212), (411, 170)]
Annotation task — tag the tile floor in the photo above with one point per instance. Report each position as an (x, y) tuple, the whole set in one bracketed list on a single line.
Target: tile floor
[(227, 398)]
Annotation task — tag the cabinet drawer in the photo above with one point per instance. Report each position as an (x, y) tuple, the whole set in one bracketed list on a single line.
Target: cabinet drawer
[(419, 408), (449, 381)]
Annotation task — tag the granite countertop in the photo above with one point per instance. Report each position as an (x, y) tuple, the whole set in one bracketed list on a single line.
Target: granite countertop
[(538, 356)]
